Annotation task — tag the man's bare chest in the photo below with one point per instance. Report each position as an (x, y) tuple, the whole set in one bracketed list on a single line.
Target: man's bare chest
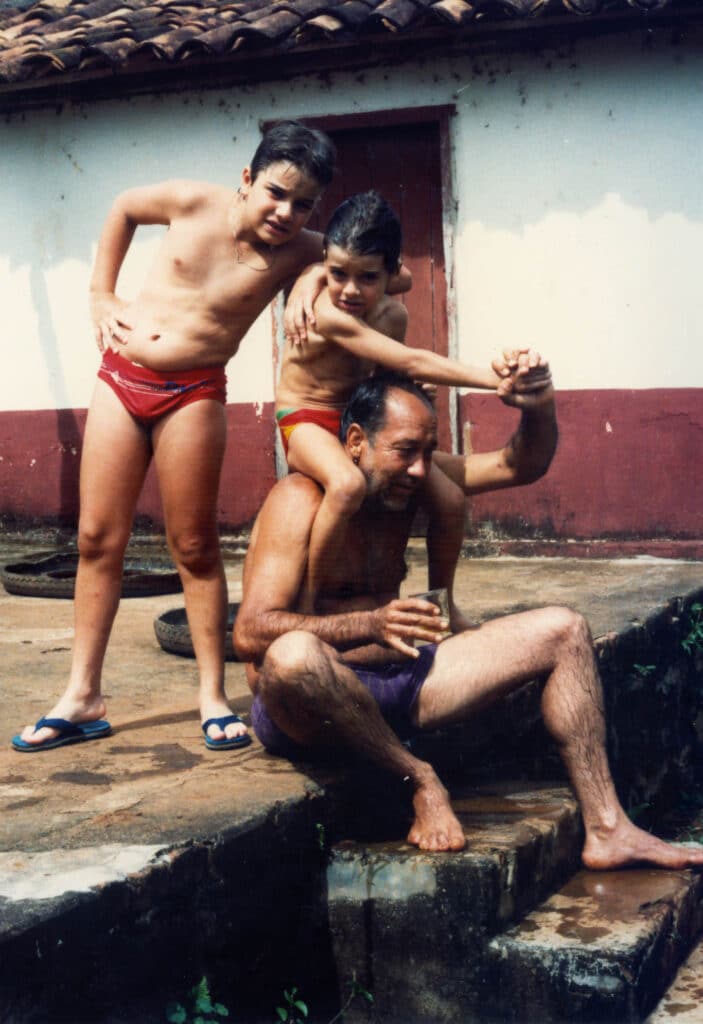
[(368, 562)]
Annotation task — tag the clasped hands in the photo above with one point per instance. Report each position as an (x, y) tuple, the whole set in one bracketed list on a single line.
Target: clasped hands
[(525, 378)]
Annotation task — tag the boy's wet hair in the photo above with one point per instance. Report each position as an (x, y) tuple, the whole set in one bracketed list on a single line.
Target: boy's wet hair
[(367, 403), (308, 149), (365, 225)]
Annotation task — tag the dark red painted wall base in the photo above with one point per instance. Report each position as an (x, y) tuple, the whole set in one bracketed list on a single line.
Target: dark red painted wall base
[(627, 478), (629, 468), (40, 458)]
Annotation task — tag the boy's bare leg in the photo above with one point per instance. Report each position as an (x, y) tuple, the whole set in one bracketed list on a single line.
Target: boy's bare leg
[(472, 669), (315, 452), (189, 447), (319, 701), (114, 461)]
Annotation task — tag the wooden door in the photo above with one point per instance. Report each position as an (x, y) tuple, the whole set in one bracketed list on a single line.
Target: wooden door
[(403, 162)]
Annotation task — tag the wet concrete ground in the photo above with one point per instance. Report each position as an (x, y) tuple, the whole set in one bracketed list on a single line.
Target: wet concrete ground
[(80, 817), (153, 781)]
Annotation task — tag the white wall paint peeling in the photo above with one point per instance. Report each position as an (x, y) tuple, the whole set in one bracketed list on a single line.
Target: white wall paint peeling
[(578, 229)]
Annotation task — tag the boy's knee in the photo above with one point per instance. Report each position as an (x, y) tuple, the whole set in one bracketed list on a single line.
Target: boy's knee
[(97, 540), (348, 490), (194, 550)]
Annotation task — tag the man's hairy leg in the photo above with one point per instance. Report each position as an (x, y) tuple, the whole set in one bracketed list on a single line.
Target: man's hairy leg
[(318, 701), (114, 462), (189, 447), (475, 668)]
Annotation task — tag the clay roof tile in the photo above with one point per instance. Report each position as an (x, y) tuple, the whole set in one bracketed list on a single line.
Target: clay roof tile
[(51, 37)]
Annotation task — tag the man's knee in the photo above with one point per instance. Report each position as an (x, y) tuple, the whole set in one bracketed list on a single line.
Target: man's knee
[(569, 627), (289, 659)]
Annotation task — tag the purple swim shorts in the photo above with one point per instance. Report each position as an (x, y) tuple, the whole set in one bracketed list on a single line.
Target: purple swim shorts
[(393, 686)]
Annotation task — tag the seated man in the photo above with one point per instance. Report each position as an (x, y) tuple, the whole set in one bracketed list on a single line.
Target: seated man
[(344, 677)]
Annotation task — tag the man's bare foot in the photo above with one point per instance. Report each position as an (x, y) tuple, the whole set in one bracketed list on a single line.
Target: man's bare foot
[(436, 827), (628, 846), (70, 710)]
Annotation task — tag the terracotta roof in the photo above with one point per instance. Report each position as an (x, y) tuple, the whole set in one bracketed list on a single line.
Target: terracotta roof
[(43, 43)]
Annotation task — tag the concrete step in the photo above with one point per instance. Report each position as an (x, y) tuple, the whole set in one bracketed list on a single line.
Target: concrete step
[(605, 948), (411, 927), (683, 1002)]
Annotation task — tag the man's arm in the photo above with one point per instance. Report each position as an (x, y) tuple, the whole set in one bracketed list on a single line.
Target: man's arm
[(525, 458), (273, 574)]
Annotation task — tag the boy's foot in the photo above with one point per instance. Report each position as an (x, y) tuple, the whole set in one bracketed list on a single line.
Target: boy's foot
[(223, 730), (226, 724), (63, 733), (66, 713)]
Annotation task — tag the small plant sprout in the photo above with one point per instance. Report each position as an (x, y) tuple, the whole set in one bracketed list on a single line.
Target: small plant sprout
[(295, 1011), (694, 640), (355, 991), (644, 670), (202, 1009)]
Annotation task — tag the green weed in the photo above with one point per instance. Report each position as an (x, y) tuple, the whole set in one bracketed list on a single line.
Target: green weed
[(202, 1010), (295, 1011), (644, 670), (693, 641)]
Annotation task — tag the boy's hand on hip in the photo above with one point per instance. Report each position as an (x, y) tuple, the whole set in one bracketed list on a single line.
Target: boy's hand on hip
[(110, 326)]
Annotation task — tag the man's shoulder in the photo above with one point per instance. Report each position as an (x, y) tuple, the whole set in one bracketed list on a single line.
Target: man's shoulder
[(286, 516), (294, 492)]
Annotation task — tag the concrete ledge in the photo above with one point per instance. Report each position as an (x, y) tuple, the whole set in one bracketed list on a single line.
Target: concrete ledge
[(682, 1003), (412, 927), (603, 948)]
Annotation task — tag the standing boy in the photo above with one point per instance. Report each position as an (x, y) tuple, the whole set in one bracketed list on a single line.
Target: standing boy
[(161, 393)]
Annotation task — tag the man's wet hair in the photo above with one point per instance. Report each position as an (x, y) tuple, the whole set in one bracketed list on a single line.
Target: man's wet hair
[(308, 149), (367, 404), (365, 225)]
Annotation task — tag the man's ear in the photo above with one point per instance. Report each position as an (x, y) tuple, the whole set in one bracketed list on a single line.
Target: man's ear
[(356, 436)]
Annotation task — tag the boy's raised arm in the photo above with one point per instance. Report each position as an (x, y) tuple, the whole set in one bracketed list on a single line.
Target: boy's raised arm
[(419, 364)]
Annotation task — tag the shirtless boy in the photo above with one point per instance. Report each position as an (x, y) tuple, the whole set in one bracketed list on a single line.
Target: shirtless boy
[(358, 328), (161, 393)]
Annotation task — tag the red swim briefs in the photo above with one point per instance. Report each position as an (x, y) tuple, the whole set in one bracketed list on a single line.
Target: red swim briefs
[(288, 419), (148, 395)]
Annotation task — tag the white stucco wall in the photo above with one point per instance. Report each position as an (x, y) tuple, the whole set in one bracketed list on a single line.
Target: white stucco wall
[(579, 224)]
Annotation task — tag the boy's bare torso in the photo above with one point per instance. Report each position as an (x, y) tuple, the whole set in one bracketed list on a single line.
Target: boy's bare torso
[(321, 374), (205, 290)]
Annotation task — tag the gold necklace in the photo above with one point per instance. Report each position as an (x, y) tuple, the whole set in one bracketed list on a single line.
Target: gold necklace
[(237, 252)]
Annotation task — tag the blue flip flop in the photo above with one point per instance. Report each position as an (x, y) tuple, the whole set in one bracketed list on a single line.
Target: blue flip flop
[(69, 732), (226, 744)]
